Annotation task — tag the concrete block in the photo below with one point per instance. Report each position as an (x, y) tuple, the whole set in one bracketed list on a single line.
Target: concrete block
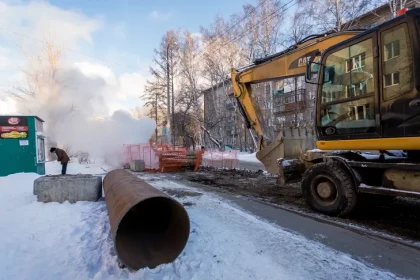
[(137, 165), (59, 188)]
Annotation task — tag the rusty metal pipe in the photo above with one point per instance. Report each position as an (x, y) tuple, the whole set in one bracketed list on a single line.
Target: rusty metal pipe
[(148, 227)]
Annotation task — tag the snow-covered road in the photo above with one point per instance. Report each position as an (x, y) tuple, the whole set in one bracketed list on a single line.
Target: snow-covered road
[(73, 241), (247, 157)]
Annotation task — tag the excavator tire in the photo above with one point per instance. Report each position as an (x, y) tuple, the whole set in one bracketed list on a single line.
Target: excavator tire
[(329, 189)]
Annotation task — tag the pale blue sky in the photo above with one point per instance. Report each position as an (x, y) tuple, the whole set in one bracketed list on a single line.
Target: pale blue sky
[(137, 26)]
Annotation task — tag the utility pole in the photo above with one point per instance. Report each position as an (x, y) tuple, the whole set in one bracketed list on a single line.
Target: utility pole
[(168, 93), (168, 86), (173, 100), (156, 116)]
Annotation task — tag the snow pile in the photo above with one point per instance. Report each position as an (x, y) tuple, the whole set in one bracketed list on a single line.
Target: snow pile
[(99, 168), (221, 159), (218, 155), (73, 241), (47, 241), (248, 157)]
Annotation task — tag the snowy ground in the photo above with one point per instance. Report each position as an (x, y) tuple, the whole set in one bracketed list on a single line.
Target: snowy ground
[(247, 157), (99, 167), (72, 241)]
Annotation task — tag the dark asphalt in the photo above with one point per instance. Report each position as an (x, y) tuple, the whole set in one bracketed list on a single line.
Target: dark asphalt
[(253, 166), (400, 259)]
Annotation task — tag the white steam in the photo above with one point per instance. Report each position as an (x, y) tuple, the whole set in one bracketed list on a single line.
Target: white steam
[(75, 109), (104, 137)]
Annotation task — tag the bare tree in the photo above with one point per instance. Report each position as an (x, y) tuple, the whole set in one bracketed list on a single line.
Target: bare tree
[(336, 15), (38, 94), (301, 26), (221, 53), (164, 69), (189, 75), (154, 97), (396, 5), (247, 32), (270, 17)]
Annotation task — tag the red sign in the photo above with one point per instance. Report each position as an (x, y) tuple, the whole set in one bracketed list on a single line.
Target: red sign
[(13, 128), (13, 121)]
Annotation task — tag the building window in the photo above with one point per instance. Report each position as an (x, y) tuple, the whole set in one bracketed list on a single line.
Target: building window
[(356, 89), (300, 97), (329, 97), (311, 95), (300, 117), (360, 112), (289, 99), (355, 63), (392, 79), (392, 50), (281, 119), (268, 88), (395, 42)]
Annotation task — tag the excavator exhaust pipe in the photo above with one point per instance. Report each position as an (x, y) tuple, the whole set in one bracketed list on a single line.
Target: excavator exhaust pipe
[(148, 227)]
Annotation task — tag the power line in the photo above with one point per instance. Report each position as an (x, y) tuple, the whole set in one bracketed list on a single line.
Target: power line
[(233, 25), (267, 18)]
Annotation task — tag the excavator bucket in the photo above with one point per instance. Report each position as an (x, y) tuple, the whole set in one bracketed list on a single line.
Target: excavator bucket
[(270, 155)]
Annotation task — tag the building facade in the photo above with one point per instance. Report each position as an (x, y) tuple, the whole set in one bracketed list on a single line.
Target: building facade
[(284, 104)]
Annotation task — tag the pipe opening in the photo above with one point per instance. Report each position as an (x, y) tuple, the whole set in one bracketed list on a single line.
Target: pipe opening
[(153, 232)]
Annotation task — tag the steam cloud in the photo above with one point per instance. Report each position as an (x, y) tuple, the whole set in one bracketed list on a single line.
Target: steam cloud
[(71, 102)]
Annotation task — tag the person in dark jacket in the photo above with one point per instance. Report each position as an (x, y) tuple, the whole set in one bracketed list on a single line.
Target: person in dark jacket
[(61, 157)]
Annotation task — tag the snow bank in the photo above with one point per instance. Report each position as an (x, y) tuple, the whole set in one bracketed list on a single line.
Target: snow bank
[(48, 241), (248, 157), (73, 241), (218, 155), (54, 167)]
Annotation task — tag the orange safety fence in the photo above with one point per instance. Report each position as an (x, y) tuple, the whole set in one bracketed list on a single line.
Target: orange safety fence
[(143, 152), (160, 158), (172, 160)]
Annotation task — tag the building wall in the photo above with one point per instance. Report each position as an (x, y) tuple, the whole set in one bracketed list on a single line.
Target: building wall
[(278, 111), (222, 117), (375, 17)]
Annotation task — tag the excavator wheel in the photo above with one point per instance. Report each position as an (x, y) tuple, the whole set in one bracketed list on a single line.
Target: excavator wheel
[(329, 189)]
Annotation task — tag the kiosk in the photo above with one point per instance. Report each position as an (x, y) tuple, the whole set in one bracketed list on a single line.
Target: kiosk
[(22, 145)]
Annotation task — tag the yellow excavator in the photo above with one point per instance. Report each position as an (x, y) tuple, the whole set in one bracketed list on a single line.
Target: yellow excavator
[(368, 98)]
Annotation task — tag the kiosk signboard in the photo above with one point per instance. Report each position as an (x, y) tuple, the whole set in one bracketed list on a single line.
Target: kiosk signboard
[(13, 127)]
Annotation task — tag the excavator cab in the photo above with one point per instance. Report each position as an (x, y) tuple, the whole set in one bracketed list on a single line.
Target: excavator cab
[(368, 89)]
